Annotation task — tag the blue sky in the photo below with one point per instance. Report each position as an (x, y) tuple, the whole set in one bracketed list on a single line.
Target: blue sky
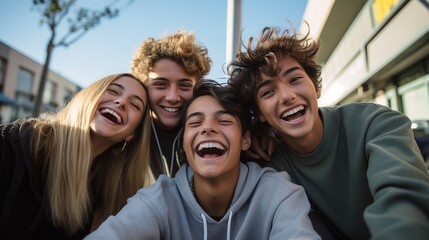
[(108, 48)]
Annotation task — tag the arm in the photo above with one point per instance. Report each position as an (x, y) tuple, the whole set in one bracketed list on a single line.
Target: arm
[(398, 180), (138, 219), (263, 142)]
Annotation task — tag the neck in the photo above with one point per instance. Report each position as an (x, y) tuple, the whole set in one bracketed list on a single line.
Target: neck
[(309, 142), (99, 145), (215, 195), (162, 128)]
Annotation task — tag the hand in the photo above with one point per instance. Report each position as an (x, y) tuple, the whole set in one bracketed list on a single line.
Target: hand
[(263, 142), (262, 147)]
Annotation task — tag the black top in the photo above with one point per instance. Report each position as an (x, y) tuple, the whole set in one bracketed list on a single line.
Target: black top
[(24, 214), (167, 143)]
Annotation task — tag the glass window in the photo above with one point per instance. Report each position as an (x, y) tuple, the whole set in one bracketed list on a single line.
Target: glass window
[(24, 84), (67, 95), (50, 92), (24, 81), (2, 72)]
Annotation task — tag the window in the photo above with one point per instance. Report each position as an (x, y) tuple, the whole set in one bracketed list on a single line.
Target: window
[(49, 95), (2, 72), (24, 96), (67, 95), (24, 84)]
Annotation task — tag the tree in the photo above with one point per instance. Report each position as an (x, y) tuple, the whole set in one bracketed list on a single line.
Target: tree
[(83, 19)]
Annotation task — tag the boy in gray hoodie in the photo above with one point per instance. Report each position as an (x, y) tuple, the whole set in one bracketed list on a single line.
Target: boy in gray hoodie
[(214, 195)]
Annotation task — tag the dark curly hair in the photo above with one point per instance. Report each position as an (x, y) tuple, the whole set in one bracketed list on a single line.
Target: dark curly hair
[(245, 71)]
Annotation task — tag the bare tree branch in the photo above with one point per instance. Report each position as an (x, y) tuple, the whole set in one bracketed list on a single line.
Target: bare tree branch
[(53, 13)]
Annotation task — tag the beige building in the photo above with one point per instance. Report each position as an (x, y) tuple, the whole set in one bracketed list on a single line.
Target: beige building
[(19, 82), (373, 51)]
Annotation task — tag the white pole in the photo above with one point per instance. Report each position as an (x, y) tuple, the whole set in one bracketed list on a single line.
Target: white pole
[(233, 29)]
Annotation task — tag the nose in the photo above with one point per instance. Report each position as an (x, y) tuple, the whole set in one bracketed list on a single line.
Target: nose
[(120, 103), (208, 128), (286, 92), (172, 95)]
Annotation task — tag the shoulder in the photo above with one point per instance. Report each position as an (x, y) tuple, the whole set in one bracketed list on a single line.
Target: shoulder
[(275, 187), (19, 129), (162, 187), (362, 113), (270, 176), (357, 106)]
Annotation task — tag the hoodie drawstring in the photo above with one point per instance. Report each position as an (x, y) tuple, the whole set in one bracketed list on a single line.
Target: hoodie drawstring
[(228, 232), (205, 226), (166, 170)]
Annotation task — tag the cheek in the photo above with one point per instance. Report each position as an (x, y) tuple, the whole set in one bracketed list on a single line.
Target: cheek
[(264, 107), (104, 98), (186, 95), (188, 138), (154, 95), (136, 119)]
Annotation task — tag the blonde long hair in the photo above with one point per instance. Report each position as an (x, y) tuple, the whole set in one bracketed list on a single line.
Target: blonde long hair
[(63, 146)]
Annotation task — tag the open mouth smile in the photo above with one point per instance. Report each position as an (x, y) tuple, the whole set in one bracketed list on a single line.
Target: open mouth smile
[(111, 115), (210, 149), (294, 113), (171, 109)]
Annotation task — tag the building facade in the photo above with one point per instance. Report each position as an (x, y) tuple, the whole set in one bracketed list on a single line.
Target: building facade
[(19, 82), (373, 51)]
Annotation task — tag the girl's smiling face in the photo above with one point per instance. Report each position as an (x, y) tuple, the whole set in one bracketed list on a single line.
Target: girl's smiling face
[(120, 111)]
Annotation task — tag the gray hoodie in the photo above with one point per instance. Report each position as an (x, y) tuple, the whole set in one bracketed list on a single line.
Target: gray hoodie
[(266, 205)]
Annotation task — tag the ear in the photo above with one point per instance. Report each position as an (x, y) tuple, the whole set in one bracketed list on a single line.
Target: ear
[(261, 118), (318, 92), (246, 141), (129, 138)]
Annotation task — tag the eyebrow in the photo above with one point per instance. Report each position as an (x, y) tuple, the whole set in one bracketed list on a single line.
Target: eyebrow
[(134, 96), (220, 112), (285, 73), (165, 79)]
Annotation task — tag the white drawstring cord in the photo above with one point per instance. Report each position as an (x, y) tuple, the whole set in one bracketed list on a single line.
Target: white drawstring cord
[(165, 169), (205, 226), (229, 226)]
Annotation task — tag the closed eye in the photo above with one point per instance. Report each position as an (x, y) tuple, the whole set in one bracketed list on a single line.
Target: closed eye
[(185, 86), (113, 91), (159, 84), (136, 106), (193, 123), (225, 118), (225, 122)]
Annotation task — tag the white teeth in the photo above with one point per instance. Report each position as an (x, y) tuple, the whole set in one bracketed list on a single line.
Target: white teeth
[(210, 145), (171, 109), (119, 118), (293, 111)]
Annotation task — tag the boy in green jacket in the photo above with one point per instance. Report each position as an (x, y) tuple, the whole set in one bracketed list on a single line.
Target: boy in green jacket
[(359, 163)]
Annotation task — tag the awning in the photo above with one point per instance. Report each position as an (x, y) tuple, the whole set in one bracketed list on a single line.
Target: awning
[(7, 100)]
